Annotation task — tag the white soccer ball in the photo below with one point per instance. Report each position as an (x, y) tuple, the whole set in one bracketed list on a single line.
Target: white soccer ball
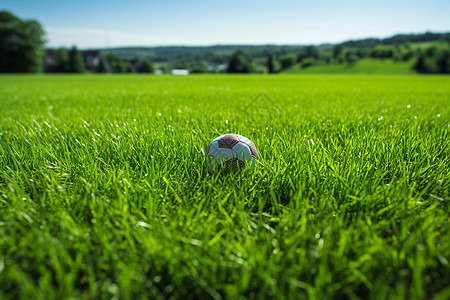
[(231, 151)]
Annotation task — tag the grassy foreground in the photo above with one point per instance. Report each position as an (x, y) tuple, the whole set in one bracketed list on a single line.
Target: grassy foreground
[(104, 191)]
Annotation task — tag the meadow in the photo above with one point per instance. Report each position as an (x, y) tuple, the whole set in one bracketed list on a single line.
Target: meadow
[(105, 194)]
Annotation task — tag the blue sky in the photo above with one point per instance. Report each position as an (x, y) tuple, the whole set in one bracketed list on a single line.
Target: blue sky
[(99, 23)]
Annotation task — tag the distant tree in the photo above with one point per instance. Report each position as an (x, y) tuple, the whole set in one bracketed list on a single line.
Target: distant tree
[(426, 62), (145, 66), (361, 52), (435, 59), (183, 64), (431, 51), (443, 61), (351, 57), (446, 38), (382, 52), (62, 61), (21, 44), (273, 64), (287, 60), (130, 67), (164, 69), (308, 62), (103, 66), (119, 67), (407, 55), (337, 50), (403, 52), (198, 70), (36, 47), (76, 63), (312, 51), (431, 66), (309, 51), (200, 67), (419, 65), (270, 64), (239, 63)]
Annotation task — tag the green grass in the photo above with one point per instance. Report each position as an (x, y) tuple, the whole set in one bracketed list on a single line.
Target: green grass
[(104, 191), (363, 66)]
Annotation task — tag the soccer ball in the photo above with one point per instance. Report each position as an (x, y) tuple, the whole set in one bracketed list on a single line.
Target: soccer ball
[(231, 151)]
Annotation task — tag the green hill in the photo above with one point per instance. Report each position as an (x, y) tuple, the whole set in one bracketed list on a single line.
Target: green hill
[(363, 66), (399, 54)]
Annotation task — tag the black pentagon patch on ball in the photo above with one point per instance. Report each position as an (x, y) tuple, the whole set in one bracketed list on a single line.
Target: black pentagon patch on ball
[(228, 141), (233, 164), (253, 150)]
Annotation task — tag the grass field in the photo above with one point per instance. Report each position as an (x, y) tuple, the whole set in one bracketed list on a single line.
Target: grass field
[(104, 191)]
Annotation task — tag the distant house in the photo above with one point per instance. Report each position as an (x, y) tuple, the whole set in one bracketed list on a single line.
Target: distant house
[(94, 61), (217, 67), (138, 66), (179, 72), (135, 63), (49, 60)]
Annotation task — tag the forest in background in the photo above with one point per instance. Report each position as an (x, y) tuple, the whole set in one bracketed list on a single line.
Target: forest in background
[(430, 53), (22, 50)]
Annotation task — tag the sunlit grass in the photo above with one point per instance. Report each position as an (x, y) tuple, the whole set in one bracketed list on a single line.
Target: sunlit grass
[(104, 189)]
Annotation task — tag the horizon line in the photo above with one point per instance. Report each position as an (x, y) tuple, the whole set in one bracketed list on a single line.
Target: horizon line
[(169, 45)]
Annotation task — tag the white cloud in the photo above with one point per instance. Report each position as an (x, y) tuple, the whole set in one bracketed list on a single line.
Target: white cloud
[(102, 38)]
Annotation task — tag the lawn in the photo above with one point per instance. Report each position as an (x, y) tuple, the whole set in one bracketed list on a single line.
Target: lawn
[(104, 190)]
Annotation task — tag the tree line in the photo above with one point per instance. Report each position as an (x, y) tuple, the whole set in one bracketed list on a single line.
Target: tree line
[(431, 59), (21, 44), (67, 61), (22, 50), (72, 60)]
